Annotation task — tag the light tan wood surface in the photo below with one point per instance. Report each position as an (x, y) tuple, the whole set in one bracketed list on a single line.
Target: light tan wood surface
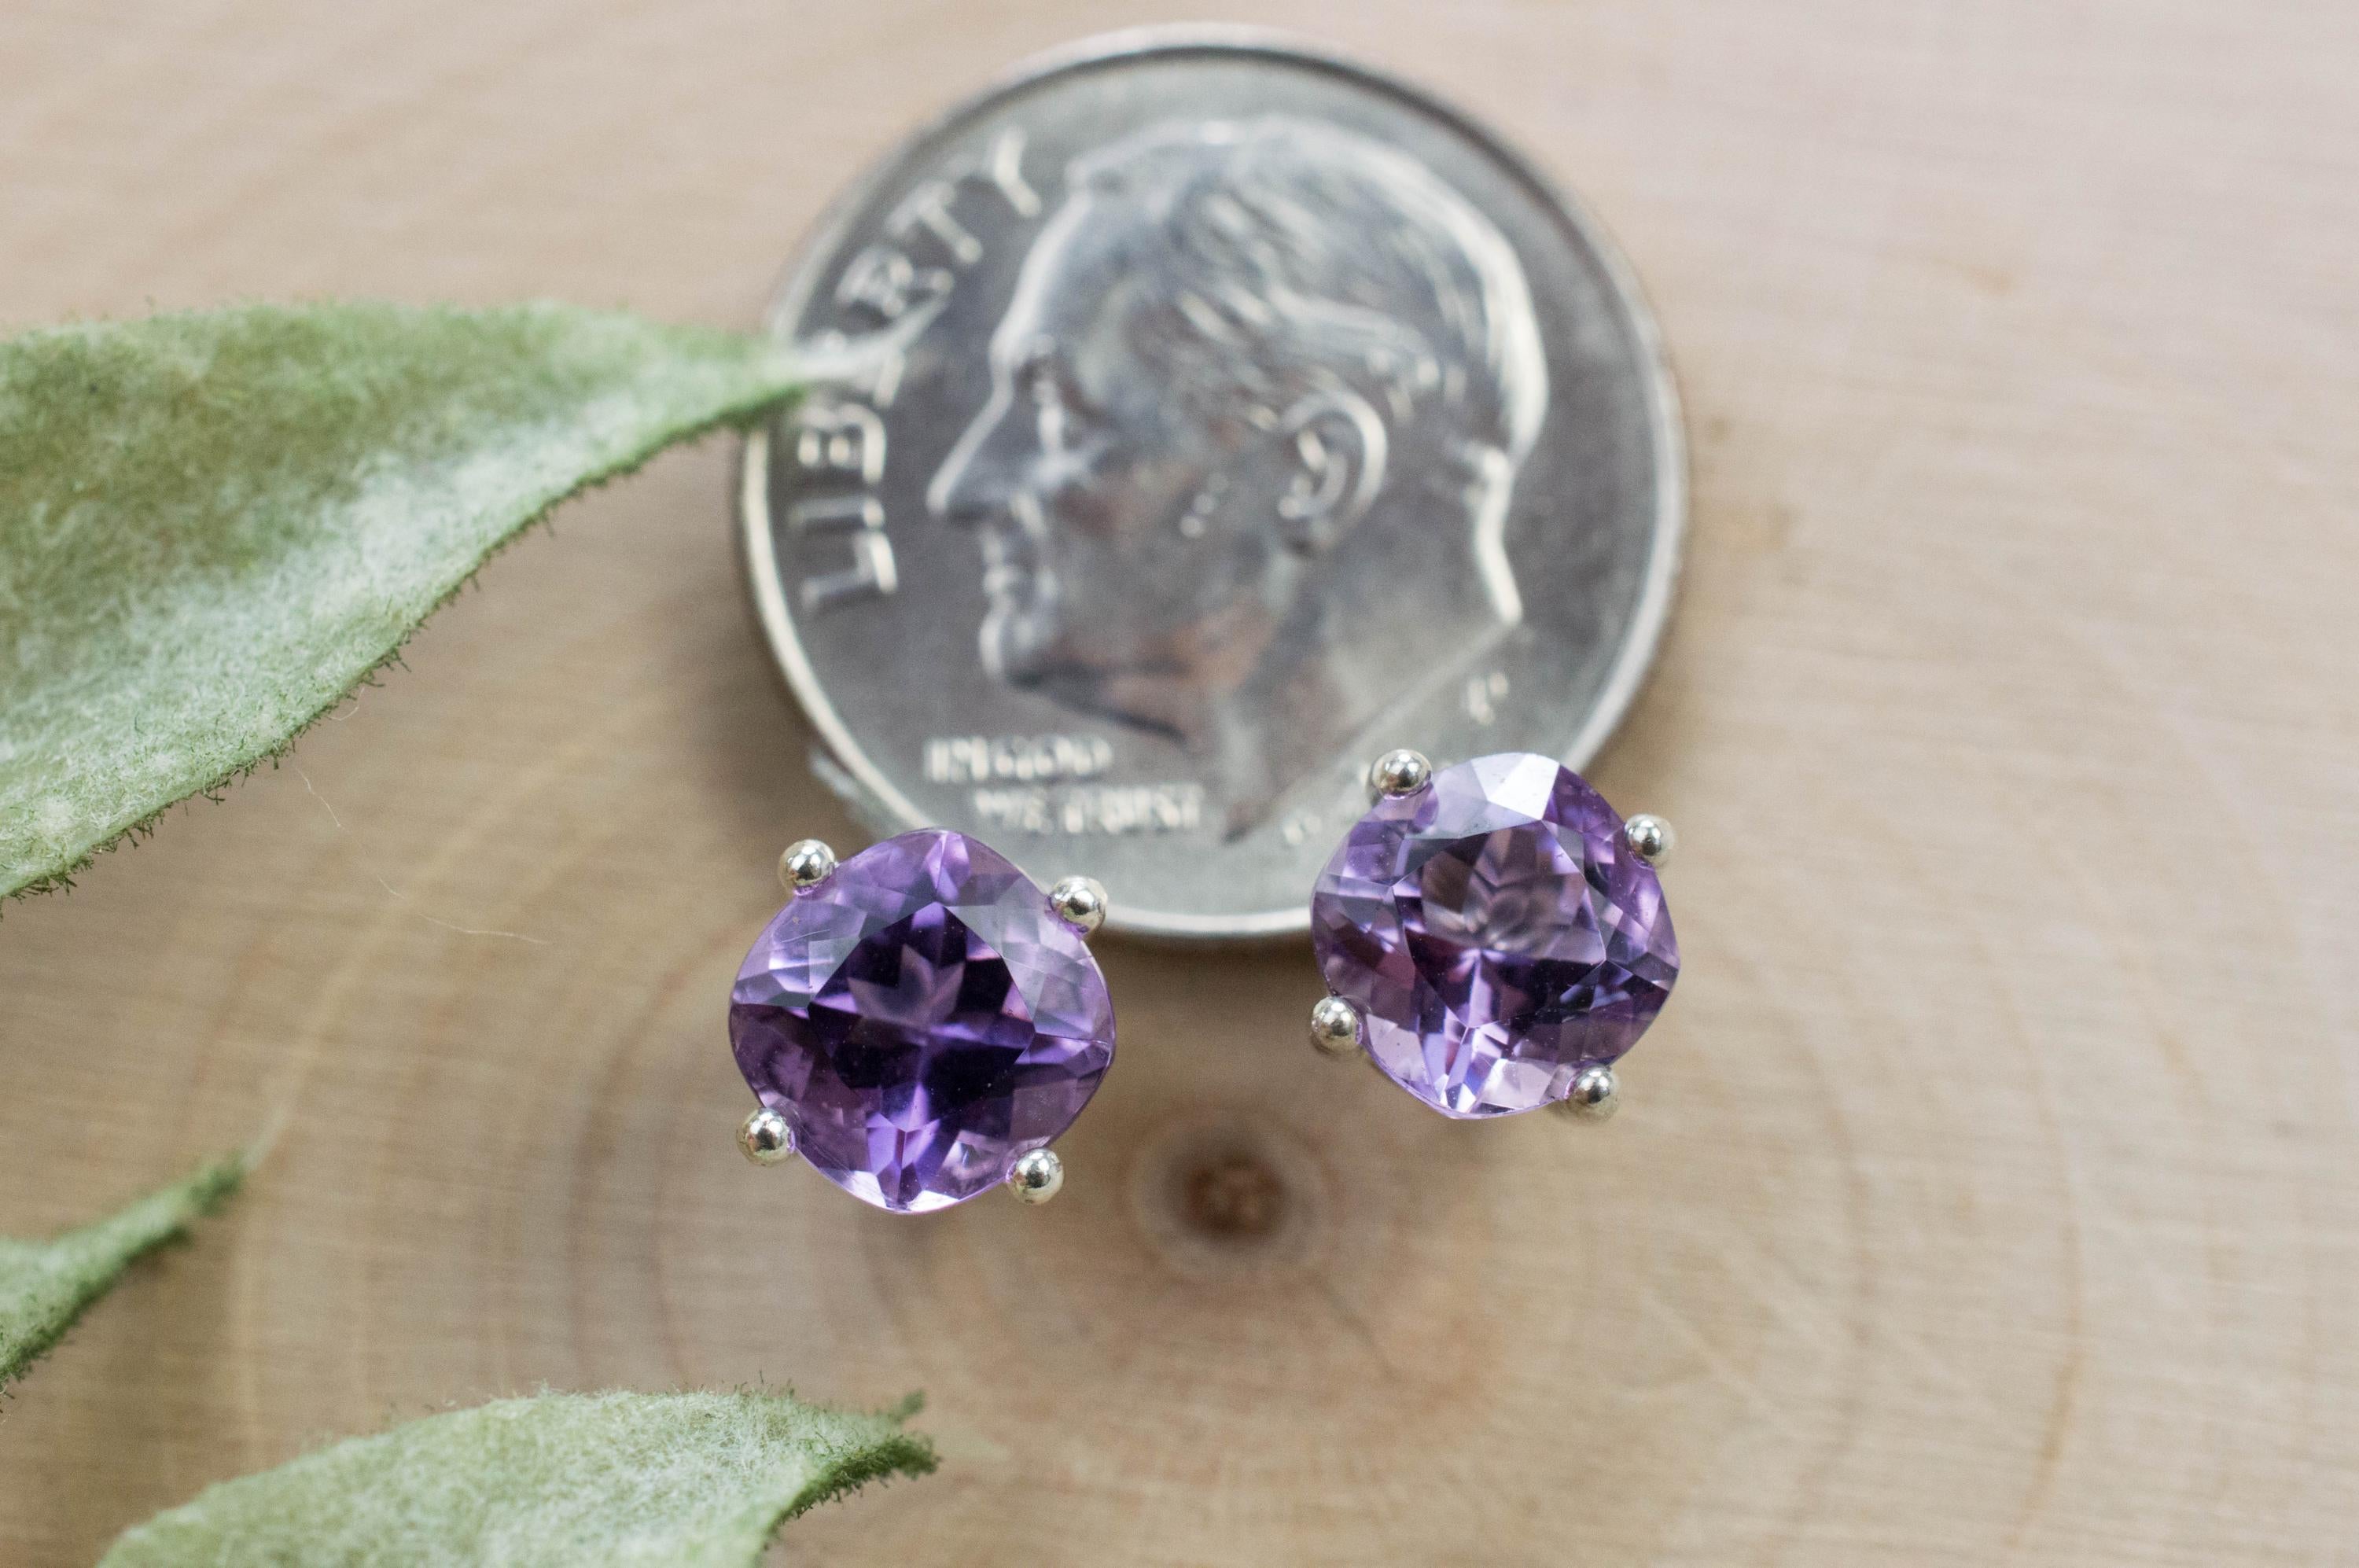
[(1990, 1192)]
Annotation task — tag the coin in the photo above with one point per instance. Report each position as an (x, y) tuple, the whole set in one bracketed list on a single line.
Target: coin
[(1195, 418)]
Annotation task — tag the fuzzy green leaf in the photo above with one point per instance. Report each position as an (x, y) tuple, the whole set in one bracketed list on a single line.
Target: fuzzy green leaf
[(568, 1479), (213, 526), (45, 1285)]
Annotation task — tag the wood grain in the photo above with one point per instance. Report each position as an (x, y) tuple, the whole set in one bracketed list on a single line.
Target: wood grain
[(1991, 1194)]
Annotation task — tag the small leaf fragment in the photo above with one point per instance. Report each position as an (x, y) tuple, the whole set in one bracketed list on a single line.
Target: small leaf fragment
[(692, 1478), (45, 1285), (213, 526)]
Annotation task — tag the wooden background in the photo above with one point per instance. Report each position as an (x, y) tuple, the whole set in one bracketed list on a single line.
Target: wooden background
[(1989, 1195)]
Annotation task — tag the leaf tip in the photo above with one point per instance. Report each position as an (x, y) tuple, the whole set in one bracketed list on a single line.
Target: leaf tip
[(212, 1185)]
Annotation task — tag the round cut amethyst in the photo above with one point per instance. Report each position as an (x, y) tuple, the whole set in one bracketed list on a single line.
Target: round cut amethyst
[(922, 1019), (1495, 933)]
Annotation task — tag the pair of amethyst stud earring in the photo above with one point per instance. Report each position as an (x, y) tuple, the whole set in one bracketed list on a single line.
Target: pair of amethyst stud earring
[(920, 1022)]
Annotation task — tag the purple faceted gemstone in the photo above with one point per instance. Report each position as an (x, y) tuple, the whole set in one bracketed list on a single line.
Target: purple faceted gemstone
[(922, 1019), (1495, 933)]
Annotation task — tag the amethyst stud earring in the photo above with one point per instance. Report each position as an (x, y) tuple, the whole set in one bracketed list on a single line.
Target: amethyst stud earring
[(1493, 935), (921, 1020)]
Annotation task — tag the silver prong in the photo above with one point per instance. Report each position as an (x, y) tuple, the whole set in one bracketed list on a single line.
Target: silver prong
[(1038, 1176), (1650, 838), (806, 864), (1401, 772), (766, 1138), (1080, 902), (1334, 1027), (1596, 1095)]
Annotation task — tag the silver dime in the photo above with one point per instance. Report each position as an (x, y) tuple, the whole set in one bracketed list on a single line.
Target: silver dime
[(1196, 419)]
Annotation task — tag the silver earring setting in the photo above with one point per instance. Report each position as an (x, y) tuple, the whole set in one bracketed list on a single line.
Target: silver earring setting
[(1493, 935), (921, 1020)]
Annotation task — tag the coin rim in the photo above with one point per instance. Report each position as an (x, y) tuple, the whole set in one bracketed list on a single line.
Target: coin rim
[(1632, 662)]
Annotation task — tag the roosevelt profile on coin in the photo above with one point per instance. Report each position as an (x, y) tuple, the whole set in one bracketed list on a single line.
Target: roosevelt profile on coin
[(1259, 398)]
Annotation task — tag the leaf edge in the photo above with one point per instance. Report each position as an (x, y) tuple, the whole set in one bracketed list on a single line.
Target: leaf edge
[(739, 413), (175, 1207)]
